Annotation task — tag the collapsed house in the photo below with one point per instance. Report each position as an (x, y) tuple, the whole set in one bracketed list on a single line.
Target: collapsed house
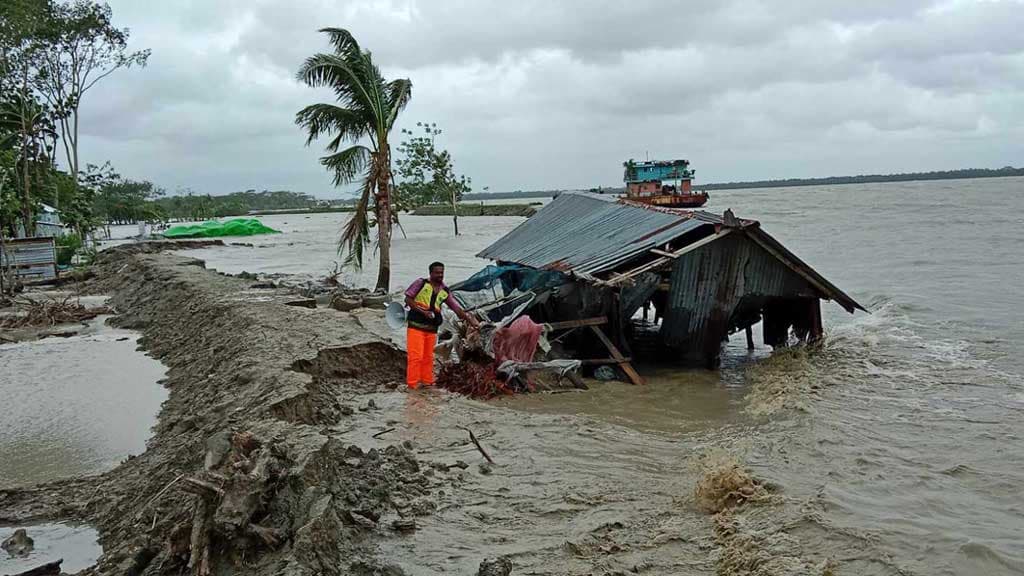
[(610, 278)]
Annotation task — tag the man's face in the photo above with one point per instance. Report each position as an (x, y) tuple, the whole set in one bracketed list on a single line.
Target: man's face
[(437, 274)]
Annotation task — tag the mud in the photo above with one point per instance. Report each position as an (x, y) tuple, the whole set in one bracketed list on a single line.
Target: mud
[(295, 498)]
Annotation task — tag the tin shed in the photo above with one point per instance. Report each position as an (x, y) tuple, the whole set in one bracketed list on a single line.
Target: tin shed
[(705, 276)]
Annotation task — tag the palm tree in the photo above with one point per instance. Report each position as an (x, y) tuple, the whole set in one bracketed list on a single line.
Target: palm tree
[(366, 109)]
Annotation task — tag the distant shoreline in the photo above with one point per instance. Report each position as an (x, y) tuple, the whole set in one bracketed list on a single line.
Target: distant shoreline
[(964, 174), (300, 211)]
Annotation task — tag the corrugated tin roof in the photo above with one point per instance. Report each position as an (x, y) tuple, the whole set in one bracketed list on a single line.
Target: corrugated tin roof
[(590, 233)]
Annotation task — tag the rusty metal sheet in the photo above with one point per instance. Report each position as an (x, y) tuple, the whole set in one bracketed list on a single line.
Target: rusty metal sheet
[(31, 258), (589, 234)]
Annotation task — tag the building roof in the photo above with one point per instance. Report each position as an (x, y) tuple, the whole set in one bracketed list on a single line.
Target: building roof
[(592, 235)]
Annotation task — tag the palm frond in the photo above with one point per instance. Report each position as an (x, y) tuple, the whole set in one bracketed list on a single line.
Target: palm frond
[(355, 235), (347, 164), (343, 41), (318, 119), (399, 92), (375, 87), (345, 77)]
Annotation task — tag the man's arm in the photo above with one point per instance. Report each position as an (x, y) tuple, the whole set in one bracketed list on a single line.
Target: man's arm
[(457, 308)]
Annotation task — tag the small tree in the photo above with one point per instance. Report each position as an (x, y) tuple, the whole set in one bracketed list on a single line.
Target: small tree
[(80, 47), (428, 175)]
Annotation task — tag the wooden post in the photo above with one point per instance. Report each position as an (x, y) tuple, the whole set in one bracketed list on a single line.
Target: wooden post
[(750, 337), (817, 332), (634, 377)]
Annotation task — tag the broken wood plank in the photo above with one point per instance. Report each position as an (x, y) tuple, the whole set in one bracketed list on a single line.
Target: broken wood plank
[(691, 247), (48, 569), (603, 361), (304, 303), (634, 377), (477, 443), (596, 321), (663, 259)]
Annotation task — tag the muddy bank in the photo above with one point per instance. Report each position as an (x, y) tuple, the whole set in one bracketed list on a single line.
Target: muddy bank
[(245, 470), (285, 447)]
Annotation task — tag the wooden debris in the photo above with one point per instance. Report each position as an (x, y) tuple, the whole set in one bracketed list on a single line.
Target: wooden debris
[(48, 569), (51, 312), (304, 303), (477, 443), (622, 360)]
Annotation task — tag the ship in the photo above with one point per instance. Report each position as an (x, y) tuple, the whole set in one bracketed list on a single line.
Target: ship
[(665, 183)]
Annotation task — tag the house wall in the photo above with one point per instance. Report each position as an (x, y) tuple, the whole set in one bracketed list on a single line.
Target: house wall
[(721, 286)]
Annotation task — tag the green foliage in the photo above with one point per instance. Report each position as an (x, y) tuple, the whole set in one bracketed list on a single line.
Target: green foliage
[(79, 46), (51, 54), (191, 206), (427, 174), (66, 246), (359, 125)]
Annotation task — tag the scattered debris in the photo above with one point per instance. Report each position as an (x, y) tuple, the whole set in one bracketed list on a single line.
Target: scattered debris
[(404, 525), (50, 312), (497, 567), (304, 303), (477, 444), (19, 544), (48, 569)]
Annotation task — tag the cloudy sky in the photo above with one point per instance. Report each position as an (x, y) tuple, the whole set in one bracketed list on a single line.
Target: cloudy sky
[(541, 94)]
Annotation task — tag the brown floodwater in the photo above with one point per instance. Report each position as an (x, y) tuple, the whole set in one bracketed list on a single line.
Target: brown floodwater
[(76, 405), (894, 450), (75, 544)]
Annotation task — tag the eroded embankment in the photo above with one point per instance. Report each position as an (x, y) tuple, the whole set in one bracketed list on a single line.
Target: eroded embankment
[(243, 472)]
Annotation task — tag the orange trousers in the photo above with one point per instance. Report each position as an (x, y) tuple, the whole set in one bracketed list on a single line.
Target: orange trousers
[(420, 366)]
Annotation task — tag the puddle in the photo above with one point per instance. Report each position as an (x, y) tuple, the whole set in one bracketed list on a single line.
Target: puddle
[(75, 405), (76, 544)]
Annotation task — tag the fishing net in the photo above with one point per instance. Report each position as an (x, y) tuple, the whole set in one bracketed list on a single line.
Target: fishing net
[(213, 228)]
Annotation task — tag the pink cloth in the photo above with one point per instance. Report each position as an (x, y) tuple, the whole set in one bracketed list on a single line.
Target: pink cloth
[(517, 341)]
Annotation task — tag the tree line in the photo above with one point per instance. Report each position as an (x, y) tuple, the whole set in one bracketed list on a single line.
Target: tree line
[(52, 55), (872, 178)]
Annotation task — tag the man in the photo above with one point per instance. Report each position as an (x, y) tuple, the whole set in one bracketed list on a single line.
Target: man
[(424, 298)]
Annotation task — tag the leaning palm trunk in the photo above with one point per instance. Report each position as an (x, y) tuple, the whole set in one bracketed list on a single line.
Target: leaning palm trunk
[(367, 108), (383, 205)]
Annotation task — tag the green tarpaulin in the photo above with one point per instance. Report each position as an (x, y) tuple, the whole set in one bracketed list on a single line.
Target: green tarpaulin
[(236, 227)]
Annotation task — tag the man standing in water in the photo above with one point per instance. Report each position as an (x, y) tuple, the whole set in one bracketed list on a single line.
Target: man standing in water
[(424, 298)]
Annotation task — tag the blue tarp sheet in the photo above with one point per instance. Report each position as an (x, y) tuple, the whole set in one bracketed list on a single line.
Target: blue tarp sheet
[(511, 277)]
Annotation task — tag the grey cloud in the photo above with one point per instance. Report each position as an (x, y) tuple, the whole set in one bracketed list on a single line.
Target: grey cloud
[(536, 94)]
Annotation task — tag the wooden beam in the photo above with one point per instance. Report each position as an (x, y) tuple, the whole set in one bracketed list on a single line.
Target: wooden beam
[(622, 360), (665, 258), (697, 244), (602, 361), (564, 325)]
